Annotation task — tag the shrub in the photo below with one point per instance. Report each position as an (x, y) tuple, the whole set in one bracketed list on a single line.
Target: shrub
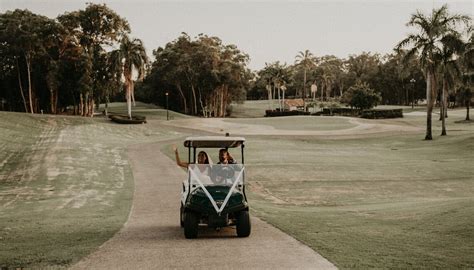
[(361, 96)]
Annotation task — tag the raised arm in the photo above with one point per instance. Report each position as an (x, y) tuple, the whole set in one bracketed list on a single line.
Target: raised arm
[(230, 159), (178, 161)]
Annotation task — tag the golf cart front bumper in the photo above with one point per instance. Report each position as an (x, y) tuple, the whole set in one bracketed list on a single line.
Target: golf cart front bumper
[(199, 202)]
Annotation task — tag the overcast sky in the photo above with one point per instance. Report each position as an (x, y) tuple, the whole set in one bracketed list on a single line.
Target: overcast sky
[(267, 30)]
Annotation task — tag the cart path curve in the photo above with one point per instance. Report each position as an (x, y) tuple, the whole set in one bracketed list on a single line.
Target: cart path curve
[(153, 239)]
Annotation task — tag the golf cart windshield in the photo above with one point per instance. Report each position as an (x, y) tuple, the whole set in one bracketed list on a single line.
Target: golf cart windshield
[(216, 182), (215, 175)]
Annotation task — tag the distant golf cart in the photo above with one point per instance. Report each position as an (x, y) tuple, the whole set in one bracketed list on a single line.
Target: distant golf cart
[(214, 194)]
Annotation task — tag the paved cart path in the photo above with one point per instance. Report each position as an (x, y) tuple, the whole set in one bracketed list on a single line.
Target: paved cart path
[(153, 239)]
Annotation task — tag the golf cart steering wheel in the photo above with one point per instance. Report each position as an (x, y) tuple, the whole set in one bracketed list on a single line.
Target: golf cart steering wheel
[(222, 173), (226, 172)]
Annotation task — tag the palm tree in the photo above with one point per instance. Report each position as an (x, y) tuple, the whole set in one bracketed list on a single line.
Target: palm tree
[(327, 80), (467, 63), (449, 70), (426, 44), (131, 55), (307, 61)]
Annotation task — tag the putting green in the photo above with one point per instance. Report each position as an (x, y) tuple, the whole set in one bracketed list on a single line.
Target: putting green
[(152, 112)]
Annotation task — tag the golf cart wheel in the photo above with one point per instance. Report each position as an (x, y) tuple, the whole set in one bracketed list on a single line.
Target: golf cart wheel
[(181, 216), (190, 225), (243, 224)]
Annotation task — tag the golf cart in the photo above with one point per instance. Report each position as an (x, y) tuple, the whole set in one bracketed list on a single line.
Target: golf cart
[(214, 194)]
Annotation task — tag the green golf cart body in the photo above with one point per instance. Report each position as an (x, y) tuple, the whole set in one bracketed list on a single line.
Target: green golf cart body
[(214, 194)]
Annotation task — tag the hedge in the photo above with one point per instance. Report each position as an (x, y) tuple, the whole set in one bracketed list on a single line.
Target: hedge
[(274, 113), (341, 111), (382, 114)]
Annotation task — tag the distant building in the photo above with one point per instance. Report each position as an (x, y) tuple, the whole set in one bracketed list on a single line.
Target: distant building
[(296, 104)]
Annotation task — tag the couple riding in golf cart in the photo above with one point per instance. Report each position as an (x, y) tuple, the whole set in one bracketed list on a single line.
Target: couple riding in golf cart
[(203, 158), (213, 194)]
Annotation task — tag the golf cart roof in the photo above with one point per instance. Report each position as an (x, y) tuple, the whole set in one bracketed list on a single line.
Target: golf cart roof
[(214, 142)]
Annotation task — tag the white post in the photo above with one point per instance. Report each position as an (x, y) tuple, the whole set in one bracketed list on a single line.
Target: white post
[(283, 89)]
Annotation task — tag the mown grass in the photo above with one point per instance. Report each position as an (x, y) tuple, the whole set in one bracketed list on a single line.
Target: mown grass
[(383, 202), (299, 122), (367, 202), (65, 185), (250, 109), (370, 201)]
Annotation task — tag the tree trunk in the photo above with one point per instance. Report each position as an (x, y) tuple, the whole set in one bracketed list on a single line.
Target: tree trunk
[(283, 99), (322, 90), (328, 90), (56, 101), (446, 101), (304, 85), (304, 90), (86, 104), (30, 91), (21, 86), (200, 102), (443, 108), (468, 101), (107, 105), (195, 110), (341, 89), (279, 98), (216, 103), (52, 95), (91, 107), (440, 96), (273, 95), (222, 102), (430, 91), (129, 102), (226, 100), (132, 92), (183, 97), (406, 95), (81, 105), (51, 100)]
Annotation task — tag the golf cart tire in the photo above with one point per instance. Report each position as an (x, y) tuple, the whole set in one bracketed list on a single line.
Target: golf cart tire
[(191, 224), (243, 224), (181, 216)]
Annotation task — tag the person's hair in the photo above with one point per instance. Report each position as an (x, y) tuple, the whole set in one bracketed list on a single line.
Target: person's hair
[(205, 154), (224, 150)]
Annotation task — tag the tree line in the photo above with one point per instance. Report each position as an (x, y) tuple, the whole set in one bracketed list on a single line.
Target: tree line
[(80, 59), (198, 76), (327, 77), (75, 61)]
